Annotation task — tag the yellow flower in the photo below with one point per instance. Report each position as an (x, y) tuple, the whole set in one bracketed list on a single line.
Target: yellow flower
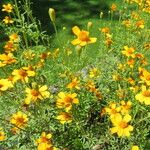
[(121, 126), (94, 72), (105, 30), (2, 135), (135, 147), (5, 84), (140, 24), (46, 146), (23, 74), (131, 62), (113, 110), (14, 37), (9, 47), (144, 96), (35, 94), (129, 52), (7, 59), (127, 23), (19, 119), (65, 100), (90, 85), (8, 8), (82, 37), (7, 20), (74, 84), (125, 107), (146, 77), (45, 138), (64, 117)]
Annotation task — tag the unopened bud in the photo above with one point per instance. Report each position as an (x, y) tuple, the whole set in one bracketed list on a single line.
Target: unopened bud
[(52, 14), (101, 15), (89, 25)]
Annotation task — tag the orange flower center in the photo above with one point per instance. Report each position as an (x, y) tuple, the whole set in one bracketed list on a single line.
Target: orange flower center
[(113, 111), (1, 86), (23, 73), (146, 93), (44, 139), (35, 93), (20, 120), (123, 124), (83, 36), (68, 99)]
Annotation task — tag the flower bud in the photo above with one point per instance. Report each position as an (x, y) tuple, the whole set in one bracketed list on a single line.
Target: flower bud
[(51, 12)]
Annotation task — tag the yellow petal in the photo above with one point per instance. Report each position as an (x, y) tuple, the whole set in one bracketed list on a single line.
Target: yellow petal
[(76, 30), (75, 42), (93, 40)]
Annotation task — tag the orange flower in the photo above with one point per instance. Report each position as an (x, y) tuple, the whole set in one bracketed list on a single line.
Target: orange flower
[(113, 7), (64, 117), (9, 47), (82, 37)]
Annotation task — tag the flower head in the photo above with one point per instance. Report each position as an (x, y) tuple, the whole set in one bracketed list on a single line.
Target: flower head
[(144, 96), (8, 20), (74, 84), (7, 8), (2, 135), (121, 126), (19, 119), (82, 37), (64, 117)]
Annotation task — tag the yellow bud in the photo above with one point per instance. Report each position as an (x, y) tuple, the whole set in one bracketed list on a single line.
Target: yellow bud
[(52, 14), (101, 15), (89, 25)]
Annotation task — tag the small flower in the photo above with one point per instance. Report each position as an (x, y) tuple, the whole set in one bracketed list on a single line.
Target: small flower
[(113, 7), (82, 37), (14, 37), (35, 94), (94, 72), (7, 8), (8, 20), (7, 59), (65, 100), (5, 84), (105, 30), (2, 135), (64, 117), (125, 107), (74, 84), (45, 138), (19, 119), (121, 126), (140, 24), (23, 74), (128, 51), (113, 110), (144, 96), (9, 47)]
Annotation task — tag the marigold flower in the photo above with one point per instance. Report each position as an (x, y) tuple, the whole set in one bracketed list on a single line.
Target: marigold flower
[(64, 117), (7, 8), (45, 138), (112, 110), (19, 119), (35, 94), (127, 23), (146, 77), (65, 100), (14, 37), (128, 51), (105, 30), (5, 84), (23, 74), (82, 37), (144, 96), (8, 20), (9, 47), (7, 59), (74, 84), (121, 126), (125, 107), (94, 72), (2, 135), (140, 24)]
